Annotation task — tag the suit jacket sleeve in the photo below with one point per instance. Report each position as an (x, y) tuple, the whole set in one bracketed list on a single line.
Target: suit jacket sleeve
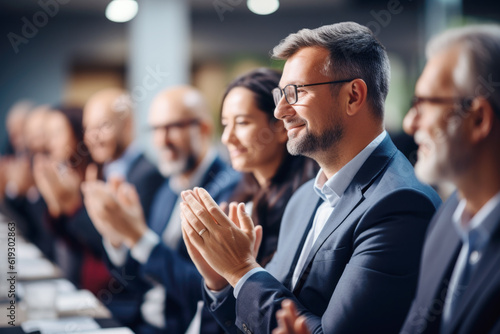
[(176, 273), (376, 285)]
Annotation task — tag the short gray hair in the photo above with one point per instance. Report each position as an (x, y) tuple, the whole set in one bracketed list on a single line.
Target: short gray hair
[(478, 73), (354, 53)]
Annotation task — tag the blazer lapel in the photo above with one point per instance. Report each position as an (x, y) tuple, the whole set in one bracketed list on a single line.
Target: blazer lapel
[(296, 230), (295, 246), (439, 262), (487, 267), (352, 197)]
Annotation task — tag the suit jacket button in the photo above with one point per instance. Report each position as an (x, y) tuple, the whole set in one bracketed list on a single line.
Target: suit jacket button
[(245, 328)]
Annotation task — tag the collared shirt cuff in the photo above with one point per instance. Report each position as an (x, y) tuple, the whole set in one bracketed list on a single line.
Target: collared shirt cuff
[(117, 255), (245, 277), (217, 295), (143, 248)]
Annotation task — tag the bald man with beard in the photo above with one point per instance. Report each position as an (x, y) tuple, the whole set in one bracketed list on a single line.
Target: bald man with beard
[(182, 128)]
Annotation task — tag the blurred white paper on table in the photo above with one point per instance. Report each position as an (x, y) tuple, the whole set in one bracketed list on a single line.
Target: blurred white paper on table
[(40, 268), (74, 301), (27, 250), (60, 326)]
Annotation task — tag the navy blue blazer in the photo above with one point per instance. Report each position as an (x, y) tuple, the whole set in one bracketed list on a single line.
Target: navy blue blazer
[(147, 179), (479, 309), (174, 268), (361, 274)]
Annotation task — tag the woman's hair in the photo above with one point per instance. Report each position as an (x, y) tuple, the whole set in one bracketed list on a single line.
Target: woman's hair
[(80, 158), (269, 203), (260, 82)]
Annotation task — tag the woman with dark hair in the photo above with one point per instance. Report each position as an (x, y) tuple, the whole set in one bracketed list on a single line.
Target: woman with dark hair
[(256, 142)]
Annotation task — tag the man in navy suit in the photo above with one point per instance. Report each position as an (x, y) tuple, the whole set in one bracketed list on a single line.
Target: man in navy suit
[(153, 253), (455, 120), (350, 243)]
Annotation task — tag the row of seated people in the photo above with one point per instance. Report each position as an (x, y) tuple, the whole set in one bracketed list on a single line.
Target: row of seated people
[(366, 247), (155, 286), (356, 249)]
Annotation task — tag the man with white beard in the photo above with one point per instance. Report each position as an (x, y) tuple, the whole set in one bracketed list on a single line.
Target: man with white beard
[(455, 120), (153, 250)]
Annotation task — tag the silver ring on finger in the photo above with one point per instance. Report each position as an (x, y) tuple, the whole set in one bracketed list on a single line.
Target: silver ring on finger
[(202, 231)]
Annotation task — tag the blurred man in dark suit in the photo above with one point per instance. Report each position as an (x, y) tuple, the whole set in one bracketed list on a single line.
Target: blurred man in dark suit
[(152, 249), (109, 135), (455, 120)]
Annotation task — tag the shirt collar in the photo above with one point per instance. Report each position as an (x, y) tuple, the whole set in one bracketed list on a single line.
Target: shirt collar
[(120, 167), (196, 178), (481, 225), (332, 189)]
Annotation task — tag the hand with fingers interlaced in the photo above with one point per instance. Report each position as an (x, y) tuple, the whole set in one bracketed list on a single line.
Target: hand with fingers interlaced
[(226, 244)]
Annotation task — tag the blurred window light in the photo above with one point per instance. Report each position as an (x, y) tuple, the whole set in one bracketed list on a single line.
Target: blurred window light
[(121, 10), (263, 7)]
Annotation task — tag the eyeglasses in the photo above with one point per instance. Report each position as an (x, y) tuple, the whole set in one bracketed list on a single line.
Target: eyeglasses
[(458, 102), (176, 125), (290, 91), (105, 128)]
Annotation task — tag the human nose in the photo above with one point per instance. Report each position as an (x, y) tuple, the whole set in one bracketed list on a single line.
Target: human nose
[(283, 108), (410, 121), (227, 134)]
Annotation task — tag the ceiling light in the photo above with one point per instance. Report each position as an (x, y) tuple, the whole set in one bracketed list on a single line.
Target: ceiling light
[(263, 7), (121, 10)]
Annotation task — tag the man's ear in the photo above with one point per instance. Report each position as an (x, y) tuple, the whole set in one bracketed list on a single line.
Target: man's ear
[(482, 117), (358, 92)]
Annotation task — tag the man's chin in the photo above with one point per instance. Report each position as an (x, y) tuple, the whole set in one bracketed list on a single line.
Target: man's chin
[(426, 173), (171, 168)]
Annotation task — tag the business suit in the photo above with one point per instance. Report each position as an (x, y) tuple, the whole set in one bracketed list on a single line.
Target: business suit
[(173, 267), (361, 273), (146, 179), (479, 308)]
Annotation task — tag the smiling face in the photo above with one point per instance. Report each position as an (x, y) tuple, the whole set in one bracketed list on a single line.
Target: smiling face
[(314, 124), (438, 129), (106, 127), (255, 142), (179, 135)]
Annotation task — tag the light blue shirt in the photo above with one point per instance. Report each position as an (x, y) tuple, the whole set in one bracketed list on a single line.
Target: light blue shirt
[(330, 190)]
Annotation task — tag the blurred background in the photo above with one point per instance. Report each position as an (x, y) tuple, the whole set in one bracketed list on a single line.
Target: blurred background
[(62, 51)]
